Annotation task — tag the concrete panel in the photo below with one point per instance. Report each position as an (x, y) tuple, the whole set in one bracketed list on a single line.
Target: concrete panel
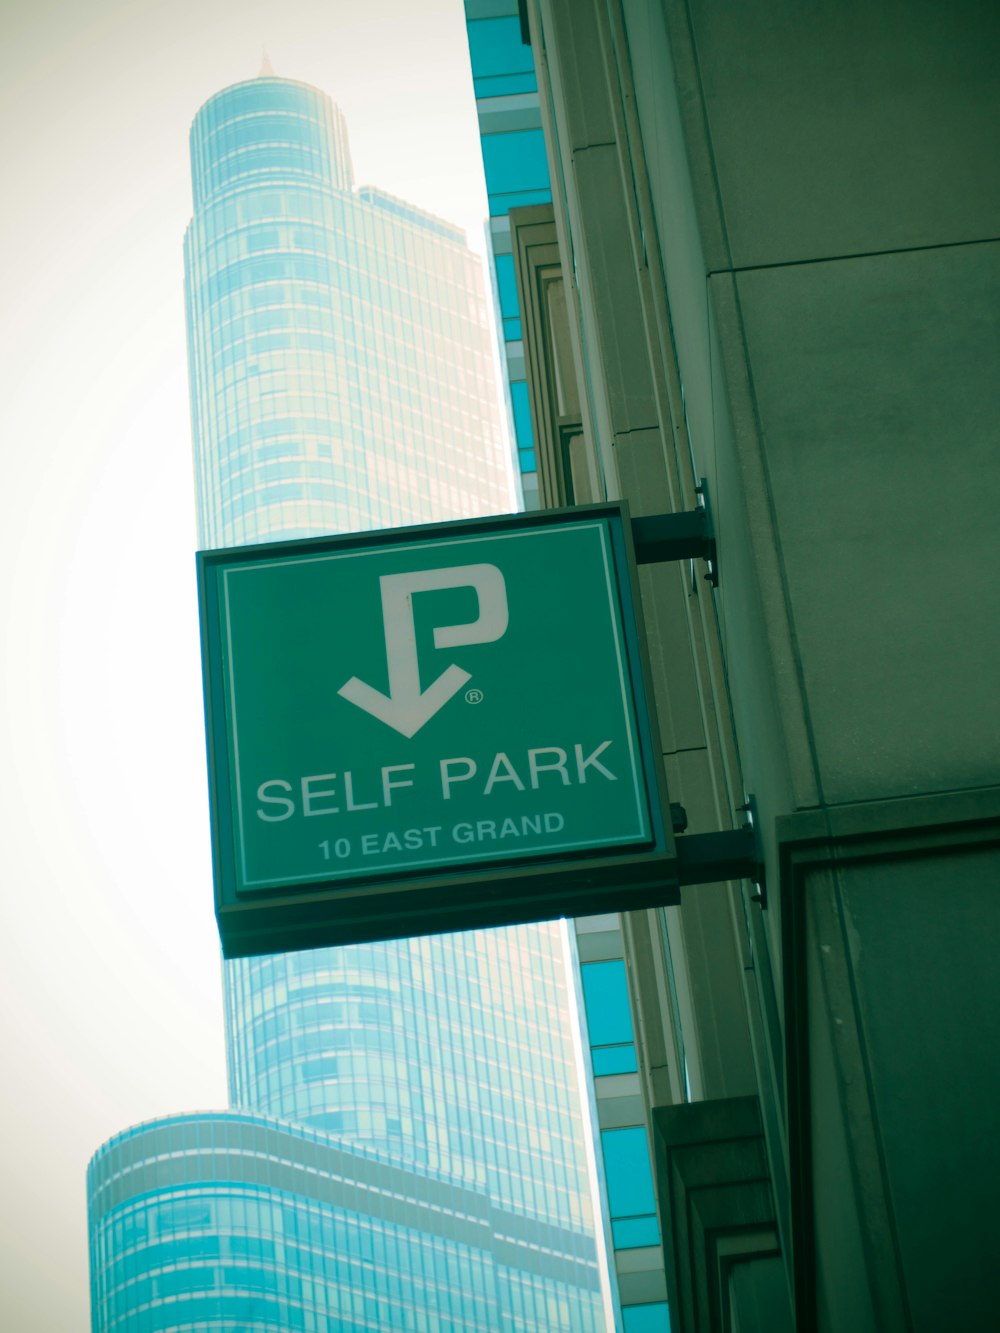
[(757, 638), (641, 1288), (582, 71), (878, 395), (665, 589), (678, 152), (616, 1085), (923, 936), (716, 1202), (691, 782), (712, 966), (642, 1259), (595, 946), (849, 128), (501, 117), (706, 952), (620, 1112), (600, 921), (758, 1294), (722, 1030), (892, 916), (614, 289), (853, 1290), (652, 989), (642, 471)]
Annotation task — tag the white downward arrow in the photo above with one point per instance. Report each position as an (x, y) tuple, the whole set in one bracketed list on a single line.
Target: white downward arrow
[(406, 707)]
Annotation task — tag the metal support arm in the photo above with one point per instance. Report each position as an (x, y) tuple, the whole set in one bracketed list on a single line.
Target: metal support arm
[(707, 858), (685, 536)]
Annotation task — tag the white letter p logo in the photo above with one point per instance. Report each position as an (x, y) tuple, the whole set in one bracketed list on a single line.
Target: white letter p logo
[(406, 708)]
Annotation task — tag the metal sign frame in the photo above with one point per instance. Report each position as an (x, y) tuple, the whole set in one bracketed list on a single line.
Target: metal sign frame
[(490, 892)]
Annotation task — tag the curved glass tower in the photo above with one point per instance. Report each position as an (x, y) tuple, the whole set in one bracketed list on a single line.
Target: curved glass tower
[(341, 378), (450, 1053), (340, 364), (232, 1223)]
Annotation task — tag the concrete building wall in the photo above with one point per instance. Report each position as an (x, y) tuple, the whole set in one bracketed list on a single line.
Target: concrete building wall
[(778, 229)]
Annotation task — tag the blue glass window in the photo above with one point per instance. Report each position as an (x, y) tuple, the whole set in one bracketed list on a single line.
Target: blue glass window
[(629, 1233), (626, 1164), (605, 999), (507, 286), (521, 405), (515, 162), (496, 47), (614, 1060), (653, 1318)]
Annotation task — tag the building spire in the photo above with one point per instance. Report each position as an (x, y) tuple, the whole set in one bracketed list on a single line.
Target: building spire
[(266, 68)]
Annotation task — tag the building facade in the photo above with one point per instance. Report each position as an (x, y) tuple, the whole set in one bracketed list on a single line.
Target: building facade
[(341, 379), (232, 1221), (531, 301), (339, 361), (517, 174), (775, 230)]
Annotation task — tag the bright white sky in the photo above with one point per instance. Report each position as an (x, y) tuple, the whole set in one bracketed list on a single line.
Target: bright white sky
[(110, 995)]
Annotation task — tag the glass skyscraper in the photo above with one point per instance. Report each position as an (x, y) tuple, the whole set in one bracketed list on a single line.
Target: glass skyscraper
[(341, 379), (339, 356), (232, 1222)]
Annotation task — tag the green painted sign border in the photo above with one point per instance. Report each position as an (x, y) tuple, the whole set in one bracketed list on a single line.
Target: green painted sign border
[(321, 910)]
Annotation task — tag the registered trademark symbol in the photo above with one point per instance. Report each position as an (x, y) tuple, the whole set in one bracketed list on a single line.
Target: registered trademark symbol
[(473, 696)]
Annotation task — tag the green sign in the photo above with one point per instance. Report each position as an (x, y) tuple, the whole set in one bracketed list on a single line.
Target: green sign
[(401, 707)]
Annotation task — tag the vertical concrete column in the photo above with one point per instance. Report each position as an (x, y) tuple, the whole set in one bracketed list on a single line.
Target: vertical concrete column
[(627, 401)]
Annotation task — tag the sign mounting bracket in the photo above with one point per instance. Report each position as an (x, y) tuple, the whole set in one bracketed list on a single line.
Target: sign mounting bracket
[(709, 858), (688, 535)]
